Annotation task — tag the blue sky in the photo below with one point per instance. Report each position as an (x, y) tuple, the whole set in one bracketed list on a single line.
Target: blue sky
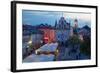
[(31, 17)]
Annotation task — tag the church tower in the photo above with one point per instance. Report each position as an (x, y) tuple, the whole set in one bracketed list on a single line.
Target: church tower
[(62, 30), (56, 24), (76, 23), (75, 29)]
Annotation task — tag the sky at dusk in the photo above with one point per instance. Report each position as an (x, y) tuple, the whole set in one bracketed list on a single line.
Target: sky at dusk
[(31, 17)]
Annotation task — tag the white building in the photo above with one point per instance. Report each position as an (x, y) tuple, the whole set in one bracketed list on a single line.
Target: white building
[(62, 30)]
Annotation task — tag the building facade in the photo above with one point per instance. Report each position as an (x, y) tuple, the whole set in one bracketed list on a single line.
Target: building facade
[(62, 32), (49, 34)]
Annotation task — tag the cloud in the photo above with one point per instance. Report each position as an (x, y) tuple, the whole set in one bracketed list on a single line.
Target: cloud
[(82, 16), (41, 13), (37, 17)]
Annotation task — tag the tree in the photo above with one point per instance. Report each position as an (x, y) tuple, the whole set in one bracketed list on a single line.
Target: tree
[(85, 46), (73, 46), (73, 40)]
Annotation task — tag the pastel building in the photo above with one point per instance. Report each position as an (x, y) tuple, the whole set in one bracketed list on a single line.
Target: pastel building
[(49, 34)]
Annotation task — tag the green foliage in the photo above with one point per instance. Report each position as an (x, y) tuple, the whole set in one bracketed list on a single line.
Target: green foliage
[(74, 40), (85, 46), (31, 46)]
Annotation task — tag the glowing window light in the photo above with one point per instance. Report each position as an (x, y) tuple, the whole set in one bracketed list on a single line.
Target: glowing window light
[(30, 42)]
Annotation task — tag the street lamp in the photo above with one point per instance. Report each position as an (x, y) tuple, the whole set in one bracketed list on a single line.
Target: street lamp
[(30, 42)]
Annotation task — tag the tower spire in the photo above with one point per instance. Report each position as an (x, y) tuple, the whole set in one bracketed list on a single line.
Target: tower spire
[(62, 14)]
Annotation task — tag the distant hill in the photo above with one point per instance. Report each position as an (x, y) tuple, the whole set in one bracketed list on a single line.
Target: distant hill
[(30, 27), (85, 30), (86, 27)]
